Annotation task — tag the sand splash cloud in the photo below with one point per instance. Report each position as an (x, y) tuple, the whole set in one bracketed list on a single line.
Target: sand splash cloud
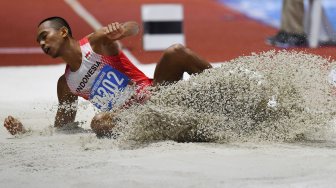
[(272, 96)]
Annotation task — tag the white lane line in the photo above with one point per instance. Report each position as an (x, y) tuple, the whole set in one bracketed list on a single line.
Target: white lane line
[(95, 24), (20, 50), (84, 14)]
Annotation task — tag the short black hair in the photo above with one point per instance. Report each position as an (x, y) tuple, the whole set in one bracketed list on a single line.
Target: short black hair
[(58, 23)]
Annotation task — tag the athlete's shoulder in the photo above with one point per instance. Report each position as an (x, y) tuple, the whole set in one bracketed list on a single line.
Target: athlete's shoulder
[(92, 42)]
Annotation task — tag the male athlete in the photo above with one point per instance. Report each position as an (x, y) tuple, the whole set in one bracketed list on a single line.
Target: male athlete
[(99, 71)]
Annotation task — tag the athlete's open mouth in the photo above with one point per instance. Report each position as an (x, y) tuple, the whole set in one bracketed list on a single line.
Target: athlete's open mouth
[(46, 50)]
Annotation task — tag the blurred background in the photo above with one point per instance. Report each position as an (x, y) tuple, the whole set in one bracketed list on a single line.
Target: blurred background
[(218, 30)]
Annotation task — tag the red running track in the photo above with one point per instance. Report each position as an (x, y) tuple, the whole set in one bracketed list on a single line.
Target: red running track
[(212, 30)]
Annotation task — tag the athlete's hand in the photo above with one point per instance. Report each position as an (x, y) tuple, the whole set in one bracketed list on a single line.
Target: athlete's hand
[(114, 31), (13, 125)]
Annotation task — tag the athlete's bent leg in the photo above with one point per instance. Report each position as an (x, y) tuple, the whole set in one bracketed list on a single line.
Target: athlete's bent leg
[(176, 60), (102, 124)]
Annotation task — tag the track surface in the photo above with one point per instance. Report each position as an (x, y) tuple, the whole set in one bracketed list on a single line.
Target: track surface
[(216, 32)]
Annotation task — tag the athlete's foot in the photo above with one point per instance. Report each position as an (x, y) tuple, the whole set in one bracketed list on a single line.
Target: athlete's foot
[(14, 126)]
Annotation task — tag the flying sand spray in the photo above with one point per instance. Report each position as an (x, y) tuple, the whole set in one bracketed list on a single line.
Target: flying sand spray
[(272, 96)]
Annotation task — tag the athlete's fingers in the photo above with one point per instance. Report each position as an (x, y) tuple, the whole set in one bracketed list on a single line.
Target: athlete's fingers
[(6, 124), (10, 118), (8, 121), (110, 28), (13, 122), (11, 129), (114, 28), (117, 26), (120, 28), (12, 125)]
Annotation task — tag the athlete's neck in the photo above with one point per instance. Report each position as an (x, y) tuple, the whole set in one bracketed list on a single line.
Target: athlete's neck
[(72, 54)]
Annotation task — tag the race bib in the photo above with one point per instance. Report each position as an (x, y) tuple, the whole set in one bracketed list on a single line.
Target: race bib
[(107, 88)]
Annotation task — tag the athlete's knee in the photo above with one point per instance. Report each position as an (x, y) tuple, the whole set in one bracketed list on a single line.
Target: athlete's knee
[(102, 124), (175, 49)]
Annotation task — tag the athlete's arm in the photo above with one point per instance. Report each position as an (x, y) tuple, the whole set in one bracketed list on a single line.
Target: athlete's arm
[(67, 107), (66, 112), (116, 31), (104, 40)]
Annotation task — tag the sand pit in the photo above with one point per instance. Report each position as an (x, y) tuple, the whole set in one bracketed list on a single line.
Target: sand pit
[(292, 144)]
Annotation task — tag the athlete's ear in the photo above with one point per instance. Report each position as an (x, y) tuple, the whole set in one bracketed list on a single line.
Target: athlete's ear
[(64, 31)]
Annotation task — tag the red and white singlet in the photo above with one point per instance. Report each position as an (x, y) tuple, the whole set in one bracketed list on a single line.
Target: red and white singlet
[(104, 79)]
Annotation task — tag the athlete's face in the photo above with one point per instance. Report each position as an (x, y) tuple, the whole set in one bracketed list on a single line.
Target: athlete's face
[(50, 39)]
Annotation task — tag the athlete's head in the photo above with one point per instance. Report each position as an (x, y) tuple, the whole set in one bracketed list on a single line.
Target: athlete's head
[(51, 34)]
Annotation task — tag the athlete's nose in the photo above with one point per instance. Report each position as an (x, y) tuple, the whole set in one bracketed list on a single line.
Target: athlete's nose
[(42, 43)]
